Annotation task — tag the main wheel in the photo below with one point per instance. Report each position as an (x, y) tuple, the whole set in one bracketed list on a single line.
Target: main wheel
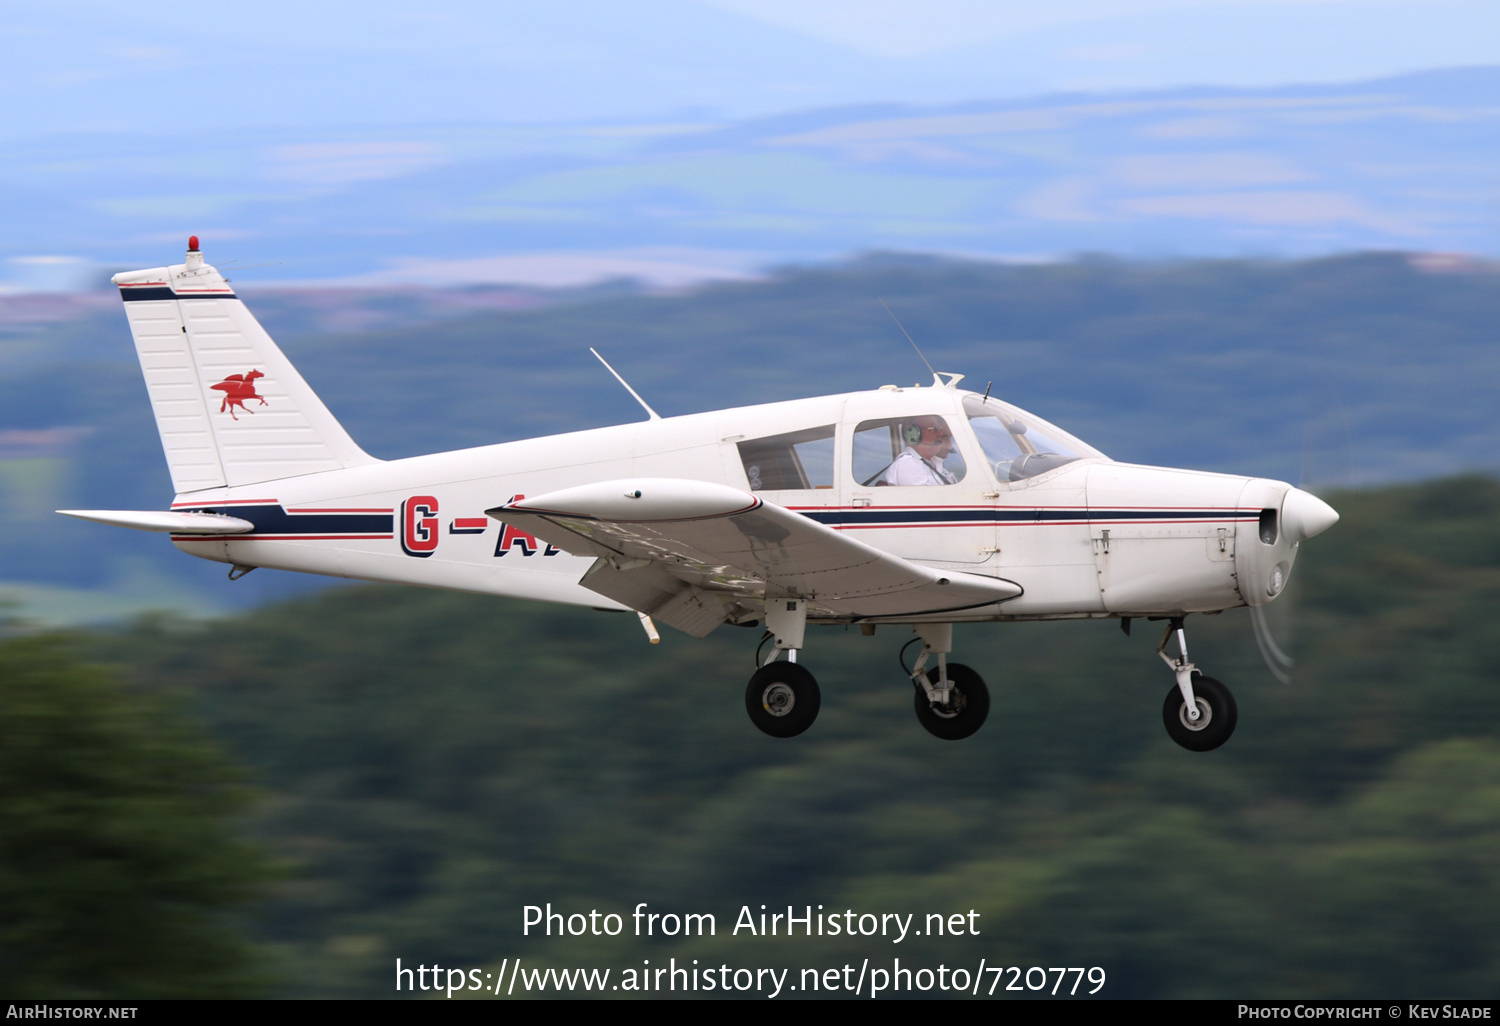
[(1217, 715), (782, 699), (968, 705)]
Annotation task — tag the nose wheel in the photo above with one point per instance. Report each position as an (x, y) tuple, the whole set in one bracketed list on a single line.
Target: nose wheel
[(1216, 717), (1199, 713), (782, 699)]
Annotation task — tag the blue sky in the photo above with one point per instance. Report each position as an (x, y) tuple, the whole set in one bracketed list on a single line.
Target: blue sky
[(68, 65), (619, 135)]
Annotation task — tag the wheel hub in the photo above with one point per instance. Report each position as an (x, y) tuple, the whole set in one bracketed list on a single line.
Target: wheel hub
[(951, 708), (1205, 714), (778, 699)]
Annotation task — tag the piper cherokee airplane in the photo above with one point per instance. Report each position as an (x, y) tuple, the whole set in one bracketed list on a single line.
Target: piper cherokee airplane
[(923, 506)]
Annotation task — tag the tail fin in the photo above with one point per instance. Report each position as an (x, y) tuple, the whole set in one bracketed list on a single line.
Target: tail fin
[(231, 409)]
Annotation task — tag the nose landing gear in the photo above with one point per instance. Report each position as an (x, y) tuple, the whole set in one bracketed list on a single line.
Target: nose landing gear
[(1216, 715), (1199, 713)]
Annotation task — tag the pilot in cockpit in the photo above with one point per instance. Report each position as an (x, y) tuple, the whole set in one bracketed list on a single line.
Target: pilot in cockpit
[(927, 444)]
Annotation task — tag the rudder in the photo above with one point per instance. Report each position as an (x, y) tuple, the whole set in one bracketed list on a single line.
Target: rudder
[(230, 407)]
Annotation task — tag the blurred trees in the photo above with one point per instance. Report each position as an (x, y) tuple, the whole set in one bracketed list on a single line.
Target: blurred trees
[(120, 866)]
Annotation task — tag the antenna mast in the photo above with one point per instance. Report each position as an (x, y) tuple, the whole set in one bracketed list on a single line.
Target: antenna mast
[(634, 394), (935, 378)]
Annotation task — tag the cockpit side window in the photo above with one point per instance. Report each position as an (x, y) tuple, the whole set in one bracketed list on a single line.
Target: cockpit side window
[(798, 459), (906, 451)]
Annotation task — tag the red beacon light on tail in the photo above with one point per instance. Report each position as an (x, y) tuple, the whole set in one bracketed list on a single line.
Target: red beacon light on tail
[(192, 243)]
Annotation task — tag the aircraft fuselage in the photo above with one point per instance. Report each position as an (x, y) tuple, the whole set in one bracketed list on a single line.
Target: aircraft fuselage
[(1089, 538)]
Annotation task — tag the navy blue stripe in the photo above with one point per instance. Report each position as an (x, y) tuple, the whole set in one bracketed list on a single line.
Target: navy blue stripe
[(868, 517), (276, 520), (133, 295), (1168, 514)]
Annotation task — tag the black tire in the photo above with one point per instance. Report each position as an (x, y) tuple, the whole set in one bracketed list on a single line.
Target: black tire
[(968, 705), (1217, 705), (782, 699)]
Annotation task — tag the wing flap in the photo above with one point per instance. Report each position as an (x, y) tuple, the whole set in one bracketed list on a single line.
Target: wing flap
[(728, 545), (649, 588)]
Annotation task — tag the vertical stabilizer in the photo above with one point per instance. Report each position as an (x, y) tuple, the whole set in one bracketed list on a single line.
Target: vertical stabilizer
[(231, 409)]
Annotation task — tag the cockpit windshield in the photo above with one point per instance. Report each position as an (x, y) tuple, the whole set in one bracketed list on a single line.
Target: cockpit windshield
[(1019, 445)]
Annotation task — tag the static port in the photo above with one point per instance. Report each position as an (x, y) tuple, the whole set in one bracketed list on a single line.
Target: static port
[(1268, 526)]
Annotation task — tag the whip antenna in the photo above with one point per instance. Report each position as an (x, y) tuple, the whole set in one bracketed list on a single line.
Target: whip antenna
[(911, 340), (651, 414)]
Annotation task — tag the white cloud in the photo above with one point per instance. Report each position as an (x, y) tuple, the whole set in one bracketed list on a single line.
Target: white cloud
[(1104, 53), (910, 28), (45, 273), (1204, 170), (1199, 128), (1068, 199), (1272, 209), (657, 267), (340, 163), (159, 55)]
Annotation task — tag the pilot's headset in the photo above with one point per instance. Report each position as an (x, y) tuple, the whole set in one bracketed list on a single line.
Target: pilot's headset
[(913, 433)]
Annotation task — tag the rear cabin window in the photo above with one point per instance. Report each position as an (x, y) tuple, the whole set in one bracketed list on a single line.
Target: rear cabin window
[(798, 459)]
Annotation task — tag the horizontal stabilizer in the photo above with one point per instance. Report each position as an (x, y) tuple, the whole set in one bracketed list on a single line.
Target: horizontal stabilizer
[(155, 520)]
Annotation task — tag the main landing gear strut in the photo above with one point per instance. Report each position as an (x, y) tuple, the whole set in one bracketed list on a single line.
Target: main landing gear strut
[(1199, 713), (782, 697), (951, 700)]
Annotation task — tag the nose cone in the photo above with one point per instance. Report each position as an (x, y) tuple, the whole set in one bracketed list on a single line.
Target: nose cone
[(1304, 515)]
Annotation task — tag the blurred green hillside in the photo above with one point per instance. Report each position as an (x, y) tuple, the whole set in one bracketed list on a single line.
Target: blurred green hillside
[(435, 761), (1337, 372)]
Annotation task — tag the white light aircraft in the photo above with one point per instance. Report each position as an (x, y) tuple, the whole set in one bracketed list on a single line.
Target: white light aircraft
[(923, 506)]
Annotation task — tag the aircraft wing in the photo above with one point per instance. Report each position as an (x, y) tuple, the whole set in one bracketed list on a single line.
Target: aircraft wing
[(685, 552)]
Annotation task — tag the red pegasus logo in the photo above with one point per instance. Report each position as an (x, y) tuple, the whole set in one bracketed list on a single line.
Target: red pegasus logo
[(237, 388)]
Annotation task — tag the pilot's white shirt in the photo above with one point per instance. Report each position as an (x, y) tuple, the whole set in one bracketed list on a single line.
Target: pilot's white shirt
[(910, 468)]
